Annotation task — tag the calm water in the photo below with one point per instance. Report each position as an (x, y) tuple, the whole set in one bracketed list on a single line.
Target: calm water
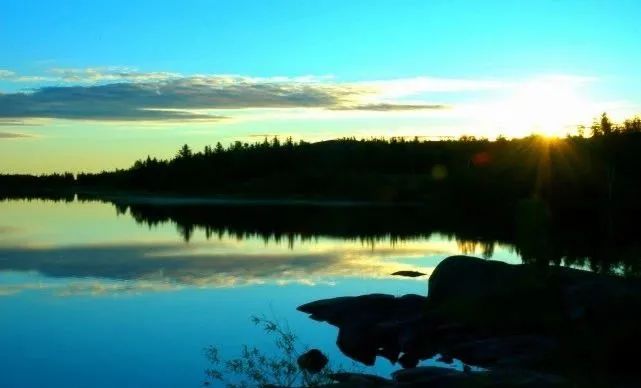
[(93, 294)]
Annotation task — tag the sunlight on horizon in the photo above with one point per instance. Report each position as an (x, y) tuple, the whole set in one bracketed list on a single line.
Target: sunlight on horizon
[(112, 102), (552, 107)]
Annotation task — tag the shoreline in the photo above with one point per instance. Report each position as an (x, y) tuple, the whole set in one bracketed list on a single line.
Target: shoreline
[(177, 199)]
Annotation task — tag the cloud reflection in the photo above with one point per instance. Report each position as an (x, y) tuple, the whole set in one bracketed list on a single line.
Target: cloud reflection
[(106, 269)]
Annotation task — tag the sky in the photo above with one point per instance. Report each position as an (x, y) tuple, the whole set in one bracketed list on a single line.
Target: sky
[(95, 85)]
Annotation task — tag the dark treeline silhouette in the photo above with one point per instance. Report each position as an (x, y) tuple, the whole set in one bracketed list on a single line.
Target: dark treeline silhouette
[(602, 171), (51, 187), (574, 173)]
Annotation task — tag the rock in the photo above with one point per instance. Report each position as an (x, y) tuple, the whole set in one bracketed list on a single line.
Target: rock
[(527, 324), (369, 325), (409, 274), (408, 360), (427, 376), (312, 361), (365, 308), (446, 377), (372, 380), (514, 350), (424, 374)]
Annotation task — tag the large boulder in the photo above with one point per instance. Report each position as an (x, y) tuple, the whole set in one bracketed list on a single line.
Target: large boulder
[(529, 295), (544, 321)]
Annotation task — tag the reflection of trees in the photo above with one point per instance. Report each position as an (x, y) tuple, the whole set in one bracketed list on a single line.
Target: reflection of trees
[(533, 232), (289, 224), (599, 240), (471, 247)]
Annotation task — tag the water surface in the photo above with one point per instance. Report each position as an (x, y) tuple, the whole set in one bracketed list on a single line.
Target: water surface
[(103, 295)]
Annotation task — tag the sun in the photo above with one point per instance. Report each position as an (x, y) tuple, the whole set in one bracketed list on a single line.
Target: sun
[(548, 107)]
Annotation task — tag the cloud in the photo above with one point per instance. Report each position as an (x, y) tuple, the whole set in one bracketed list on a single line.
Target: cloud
[(15, 123), (30, 78), (12, 76), (126, 94), (171, 99), (11, 135), (6, 74), (114, 73), (387, 107)]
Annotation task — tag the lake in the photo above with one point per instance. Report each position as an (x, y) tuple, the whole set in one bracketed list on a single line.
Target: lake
[(107, 293)]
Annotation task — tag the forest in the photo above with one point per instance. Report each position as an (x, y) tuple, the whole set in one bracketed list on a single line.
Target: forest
[(602, 171)]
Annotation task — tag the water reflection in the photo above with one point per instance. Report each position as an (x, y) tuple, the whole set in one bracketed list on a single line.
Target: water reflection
[(595, 240), (135, 248), (138, 277), (222, 244)]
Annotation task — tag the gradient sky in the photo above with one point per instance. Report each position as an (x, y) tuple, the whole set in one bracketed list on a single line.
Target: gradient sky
[(86, 86)]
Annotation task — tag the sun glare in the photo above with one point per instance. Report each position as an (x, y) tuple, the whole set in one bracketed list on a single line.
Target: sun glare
[(550, 108)]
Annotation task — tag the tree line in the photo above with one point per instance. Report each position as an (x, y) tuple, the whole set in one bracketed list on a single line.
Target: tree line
[(602, 171)]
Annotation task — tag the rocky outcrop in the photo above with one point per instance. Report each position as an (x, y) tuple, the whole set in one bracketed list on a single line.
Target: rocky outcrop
[(541, 322), (370, 325), (447, 378)]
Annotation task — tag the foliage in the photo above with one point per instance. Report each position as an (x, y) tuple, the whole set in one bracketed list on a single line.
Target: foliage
[(255, 368)]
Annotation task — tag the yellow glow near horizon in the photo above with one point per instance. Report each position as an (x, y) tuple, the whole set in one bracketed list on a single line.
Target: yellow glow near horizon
[(548, 107)]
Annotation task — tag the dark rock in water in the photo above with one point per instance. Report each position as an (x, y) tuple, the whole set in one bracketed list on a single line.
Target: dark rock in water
[(312, 361), (408, 361), (369, 325), (536, 322), (448, 378), (425, 374), (409, 274), (373, 307), (369, 380)]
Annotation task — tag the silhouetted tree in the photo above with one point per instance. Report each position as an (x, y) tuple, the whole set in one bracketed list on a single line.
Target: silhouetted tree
[(184, 152), (606, 125)]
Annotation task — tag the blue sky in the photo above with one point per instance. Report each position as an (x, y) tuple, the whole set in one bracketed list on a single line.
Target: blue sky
[(307, 69), (351, 39)]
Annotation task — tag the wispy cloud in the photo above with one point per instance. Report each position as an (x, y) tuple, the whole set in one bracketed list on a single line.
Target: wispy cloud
[(386, 107), (6, 74), (15, 123), (12, 76), (12, 135), (114, 73)]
